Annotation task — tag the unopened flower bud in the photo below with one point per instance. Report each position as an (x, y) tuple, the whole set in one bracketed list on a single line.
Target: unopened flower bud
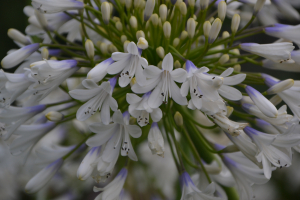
[(54, 116), (191, 3), (224, 58), (191, 26), (90, 50), (211, 20), (235, 23), (119, 26), (112, 48), (163, 12), (142, 4), (125, 45), (237, 68), (154, 19), (182, 8), (136, 3), (204, 4), (42, 19), (225, 34), (275, 100), (133, 22), (142, 43), (258, 6), (103, 48), (214, 31), (17, 36), (132, 120), (177, 64), (176, 42), (150, 4), (116, 19), (160, 52), (139, 34), (159, 65), (222, 7), (167, 29), (128, 4), (105, 10), (229, 111), (281, 86), (183, 35), (123, 38), (53, 58), (45, 53), (206, 28), (178, 119)]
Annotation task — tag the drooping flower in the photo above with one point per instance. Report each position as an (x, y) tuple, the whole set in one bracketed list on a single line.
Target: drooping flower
[(231, 127), (155, 140), (97, 97), (284, 31), (140, 109)]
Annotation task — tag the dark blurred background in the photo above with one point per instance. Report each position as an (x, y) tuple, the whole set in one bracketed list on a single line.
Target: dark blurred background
[(285, 183)]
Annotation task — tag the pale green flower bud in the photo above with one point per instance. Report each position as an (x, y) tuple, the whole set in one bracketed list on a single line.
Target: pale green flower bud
[(112, 48), (116, 19), (54, 116), (177, 64), (150, 4), (225, 34), (125, 45), (142, 43), (235, 23), (258, 6), (18, 36), (178, 119), (42, 19), (119, 26), (204, 4), (133, 22), (275, 100), (137, 3), (182, 8), (105, 10), (211, 20), (214, 31), (128, 4), (281, 86), (222, 7), (167, 29), (159, 65), (90, 50), (191, 26), (237, 68), (224, 58), (184, 35), (163, 12), (154, 19), (103, 48), (45, 53), (139, 34), (191, 3), (176, 42), (160, 52), (123, 38), (229, 110), (206, 28)]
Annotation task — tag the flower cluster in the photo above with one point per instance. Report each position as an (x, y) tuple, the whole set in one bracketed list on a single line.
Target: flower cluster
[(121, 72)]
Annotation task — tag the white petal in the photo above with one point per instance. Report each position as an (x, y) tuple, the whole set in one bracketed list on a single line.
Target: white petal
[(167, 63), (176, 96), (227, 72), (184, 90), (230, 93), (118, 117), (234, 80), (156, 99), (132, 48), (152, 71), (179, 75), (134, 131), (89, 84), (132, 98), (156, 114), (149, 85), (116, 56)]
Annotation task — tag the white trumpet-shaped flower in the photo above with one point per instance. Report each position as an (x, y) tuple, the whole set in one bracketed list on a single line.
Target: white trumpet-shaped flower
[(263, 104), (291, 67), (231, 127), (54, 6), (284, 31), (290, 96), (279, 155), (117, 133), (113, 190), (97, 97), (140, 109), (163, 82), (190, 191), (277, 52), (43, 177), (280, 120), (12, 118), (129, 64), (87, 165), (18, 56), (156, 140)]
